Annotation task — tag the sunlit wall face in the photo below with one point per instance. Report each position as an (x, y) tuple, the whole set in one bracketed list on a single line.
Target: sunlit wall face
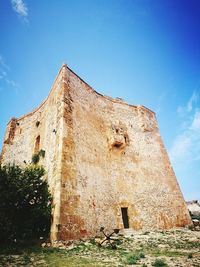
[(147, 52)]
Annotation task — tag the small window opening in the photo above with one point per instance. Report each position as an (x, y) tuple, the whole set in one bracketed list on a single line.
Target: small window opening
[(125, 220), (117, 145), (37, 144)]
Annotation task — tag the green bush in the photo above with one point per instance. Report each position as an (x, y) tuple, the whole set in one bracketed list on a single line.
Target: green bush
[(35, 158), (141, 255), (159, 263), (41, 153), (132, 259), (25, 204)]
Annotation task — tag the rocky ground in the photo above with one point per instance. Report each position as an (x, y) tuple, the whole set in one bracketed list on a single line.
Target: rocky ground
[(178, 247)]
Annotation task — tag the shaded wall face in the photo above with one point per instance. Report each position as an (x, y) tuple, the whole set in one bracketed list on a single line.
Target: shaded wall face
[(116, 160), (38, 130), (34, 132)]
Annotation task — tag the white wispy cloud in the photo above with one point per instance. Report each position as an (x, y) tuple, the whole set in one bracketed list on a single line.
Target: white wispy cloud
[(20, 8), (186, 146), (196, 122), (2, 74), (3, 64), (3, 68), (180, 147), (5, 76), (183, 110), (193, 100)]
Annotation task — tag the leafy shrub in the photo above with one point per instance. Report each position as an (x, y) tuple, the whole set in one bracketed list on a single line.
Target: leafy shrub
[(141, 255), (41, 153), (35, 158), (25, 204), (159, 263), (132, 259)]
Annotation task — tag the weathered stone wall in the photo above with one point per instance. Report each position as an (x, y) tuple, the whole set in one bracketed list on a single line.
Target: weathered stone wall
[(101, 155), (20, 138), (113, 157)]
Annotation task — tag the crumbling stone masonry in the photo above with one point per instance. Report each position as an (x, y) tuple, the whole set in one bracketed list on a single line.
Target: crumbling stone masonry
[(105, 160)]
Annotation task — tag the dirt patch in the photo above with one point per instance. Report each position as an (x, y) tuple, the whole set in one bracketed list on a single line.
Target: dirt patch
[(178, 247)]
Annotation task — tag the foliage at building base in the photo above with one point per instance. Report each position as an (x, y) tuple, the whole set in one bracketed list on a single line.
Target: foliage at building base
[(25, 204)]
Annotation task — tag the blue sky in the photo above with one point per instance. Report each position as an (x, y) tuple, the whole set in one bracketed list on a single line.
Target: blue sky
[(145, 51)]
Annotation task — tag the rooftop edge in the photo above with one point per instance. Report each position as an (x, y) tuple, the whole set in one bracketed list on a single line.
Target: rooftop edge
[(64, 66)]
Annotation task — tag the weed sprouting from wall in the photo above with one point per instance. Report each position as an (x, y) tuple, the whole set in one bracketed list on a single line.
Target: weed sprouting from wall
[(36, 156)]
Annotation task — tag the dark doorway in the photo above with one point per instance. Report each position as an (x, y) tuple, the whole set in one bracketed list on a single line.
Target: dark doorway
[(125, 217)]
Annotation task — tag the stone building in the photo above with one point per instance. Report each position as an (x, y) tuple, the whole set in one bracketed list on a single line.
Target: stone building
[(105, 160)]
